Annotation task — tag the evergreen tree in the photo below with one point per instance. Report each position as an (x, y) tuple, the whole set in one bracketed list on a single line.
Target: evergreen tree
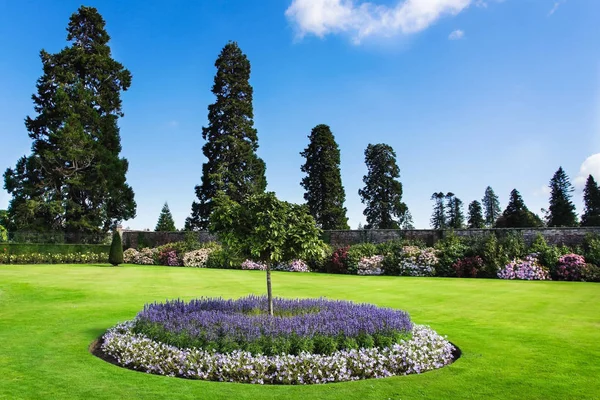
[(324, 192), (231, 139), (407, 221), (455, 218), (74, 180), (165, 221), (116, 250), (438, 217), (591, 199), (491, 206), (476, 220), (562, 210), (517, 215), (382, 193)]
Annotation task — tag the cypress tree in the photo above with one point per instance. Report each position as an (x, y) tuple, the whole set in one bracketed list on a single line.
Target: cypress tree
[(562, 210), (74, 180), (438, 217), (491, 206), (165, 220), (475, 220), (382, 193), (591, 199), (517, 215), (324, 192), (116, 250), (231, 139)]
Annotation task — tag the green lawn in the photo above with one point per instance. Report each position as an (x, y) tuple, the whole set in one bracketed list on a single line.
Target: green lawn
[(520, 340)]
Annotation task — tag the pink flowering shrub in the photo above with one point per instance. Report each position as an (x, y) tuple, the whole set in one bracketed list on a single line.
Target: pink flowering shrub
[(168, 257), (525, 269), (298, 266), (570, 267)]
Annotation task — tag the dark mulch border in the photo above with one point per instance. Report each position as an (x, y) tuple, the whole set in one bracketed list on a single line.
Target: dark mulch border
[(95, 348)]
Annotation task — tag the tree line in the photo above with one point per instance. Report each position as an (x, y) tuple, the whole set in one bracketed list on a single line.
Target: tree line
[(74, 180)]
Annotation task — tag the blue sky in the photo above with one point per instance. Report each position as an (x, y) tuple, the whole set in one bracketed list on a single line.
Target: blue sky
[(469, 93)]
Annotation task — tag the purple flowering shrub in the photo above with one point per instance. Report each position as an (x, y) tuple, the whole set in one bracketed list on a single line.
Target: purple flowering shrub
[(339, 260), (313, 325), (570, 267), (526, 269), (168, 257), (424, 351), (297, 266)]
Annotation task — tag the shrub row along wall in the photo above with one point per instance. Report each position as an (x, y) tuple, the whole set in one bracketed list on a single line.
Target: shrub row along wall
[(557, 236), (30, 248)]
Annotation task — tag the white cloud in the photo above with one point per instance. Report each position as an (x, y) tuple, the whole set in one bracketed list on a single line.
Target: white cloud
[(456, 35), (365, 19), (591, 166), (542, 191)]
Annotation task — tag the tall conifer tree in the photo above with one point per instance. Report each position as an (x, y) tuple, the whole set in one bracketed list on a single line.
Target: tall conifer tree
[(491, 206), (438, 217), (517, 215), (74, 179), (591, 200), (475, 220), (231, 140), (562, 210), (165, 220), (324, 193), (382, 194)]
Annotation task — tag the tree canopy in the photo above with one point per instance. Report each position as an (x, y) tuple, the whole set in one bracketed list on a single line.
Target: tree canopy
[(562, 210), (591, 200), (491, 206), (517, 215), (475, 220), (165, 220)]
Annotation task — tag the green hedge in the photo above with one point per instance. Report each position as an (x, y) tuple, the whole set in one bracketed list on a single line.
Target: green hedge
[(31, 248)]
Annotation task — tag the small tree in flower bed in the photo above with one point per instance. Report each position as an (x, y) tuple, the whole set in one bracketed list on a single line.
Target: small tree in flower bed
[(570, 267), (526, 269), (267, 229), (468, 267), (370, 265)]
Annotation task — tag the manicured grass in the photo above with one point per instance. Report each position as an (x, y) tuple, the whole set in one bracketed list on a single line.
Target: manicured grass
[(520, 340)]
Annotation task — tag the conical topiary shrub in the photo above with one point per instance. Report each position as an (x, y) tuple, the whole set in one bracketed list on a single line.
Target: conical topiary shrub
[(116, 250)]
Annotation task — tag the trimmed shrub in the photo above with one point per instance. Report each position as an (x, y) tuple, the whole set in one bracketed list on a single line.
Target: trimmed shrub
[(116, 250)]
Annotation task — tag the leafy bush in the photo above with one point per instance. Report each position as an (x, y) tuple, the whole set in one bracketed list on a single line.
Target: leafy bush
[(570, 267), (3, 234), (592, 249), (590, 273), (449, 250), (196, 258), (513, 245), (526, 269), (370, 265), (167, 256), (468, 267), (223, 258), (339, 261), (357, 252)]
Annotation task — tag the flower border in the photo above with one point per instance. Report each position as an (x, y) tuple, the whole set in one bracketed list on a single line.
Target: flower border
[(425, 351)]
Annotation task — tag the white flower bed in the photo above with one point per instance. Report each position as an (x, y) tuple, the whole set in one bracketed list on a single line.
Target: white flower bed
[(197, 258), (426, 350)]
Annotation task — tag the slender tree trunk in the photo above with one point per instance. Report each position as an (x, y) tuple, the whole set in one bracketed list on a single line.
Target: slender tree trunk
[(269, 293)]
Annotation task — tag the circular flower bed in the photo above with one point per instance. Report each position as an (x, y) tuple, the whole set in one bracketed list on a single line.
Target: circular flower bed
[(307, 341)]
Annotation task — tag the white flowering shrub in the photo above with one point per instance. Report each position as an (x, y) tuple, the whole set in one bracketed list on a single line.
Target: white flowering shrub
[(370, 265), (197, 258), (424, 351)]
